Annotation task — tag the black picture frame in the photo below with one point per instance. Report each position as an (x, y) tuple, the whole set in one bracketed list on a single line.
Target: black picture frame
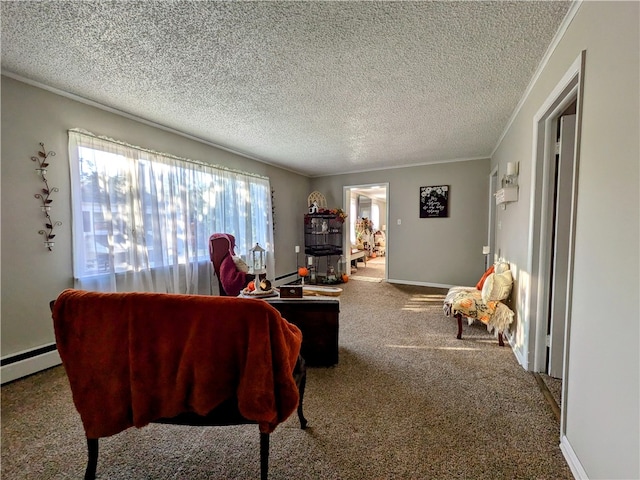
[(434, 201)]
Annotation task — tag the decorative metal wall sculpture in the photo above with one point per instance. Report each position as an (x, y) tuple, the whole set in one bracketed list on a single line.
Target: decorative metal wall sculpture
[(45, 196)]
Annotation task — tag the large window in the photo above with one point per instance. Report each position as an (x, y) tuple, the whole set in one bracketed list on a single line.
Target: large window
[(142, 219)]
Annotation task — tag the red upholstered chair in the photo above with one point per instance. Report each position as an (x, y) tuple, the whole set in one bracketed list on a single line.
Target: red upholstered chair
[(221, 251), (201, 373)]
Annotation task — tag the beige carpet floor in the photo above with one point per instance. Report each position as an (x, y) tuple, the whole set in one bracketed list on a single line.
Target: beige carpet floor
[(373, 271), (554, 385), (406, 401)]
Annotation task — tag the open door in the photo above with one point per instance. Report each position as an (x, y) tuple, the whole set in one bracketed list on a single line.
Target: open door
[(561, 243)]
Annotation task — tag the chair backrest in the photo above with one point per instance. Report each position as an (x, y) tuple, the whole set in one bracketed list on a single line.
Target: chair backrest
[(196, 342), (220, 246), (165, 354)]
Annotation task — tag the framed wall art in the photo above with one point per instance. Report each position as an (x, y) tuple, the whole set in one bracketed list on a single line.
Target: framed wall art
[(434, 201)]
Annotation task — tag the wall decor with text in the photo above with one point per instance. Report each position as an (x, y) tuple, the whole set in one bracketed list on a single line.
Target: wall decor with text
[(434, 201)]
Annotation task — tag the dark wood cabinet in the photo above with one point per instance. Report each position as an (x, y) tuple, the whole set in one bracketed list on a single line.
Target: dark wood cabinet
[(318, 320)]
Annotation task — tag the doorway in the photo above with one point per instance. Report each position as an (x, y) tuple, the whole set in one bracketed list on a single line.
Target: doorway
[(551, 249), (367, 209)]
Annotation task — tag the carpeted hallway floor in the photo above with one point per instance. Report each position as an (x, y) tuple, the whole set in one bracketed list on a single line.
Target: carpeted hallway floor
[(373, 271), (406, 401)]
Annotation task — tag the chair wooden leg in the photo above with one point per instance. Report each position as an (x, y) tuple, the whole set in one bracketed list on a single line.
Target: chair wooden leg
[(459, 319), (92, 463), (303, 421), (500, 340), (264, 456), (300, 375)]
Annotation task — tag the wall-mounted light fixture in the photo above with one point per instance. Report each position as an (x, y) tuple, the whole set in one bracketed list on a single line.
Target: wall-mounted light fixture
[(510, 179), (509, 191)]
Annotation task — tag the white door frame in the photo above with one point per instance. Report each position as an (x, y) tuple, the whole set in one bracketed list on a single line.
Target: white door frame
[(569, 89), (491, 235)]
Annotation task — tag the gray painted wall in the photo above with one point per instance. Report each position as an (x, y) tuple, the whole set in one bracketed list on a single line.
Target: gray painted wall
[(429, 251), (31, 275), (602, 404)]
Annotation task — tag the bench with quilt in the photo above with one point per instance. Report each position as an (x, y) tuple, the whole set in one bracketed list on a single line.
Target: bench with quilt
[(484, 302)]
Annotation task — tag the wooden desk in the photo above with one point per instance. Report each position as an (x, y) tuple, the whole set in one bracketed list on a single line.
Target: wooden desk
[(318, 320)]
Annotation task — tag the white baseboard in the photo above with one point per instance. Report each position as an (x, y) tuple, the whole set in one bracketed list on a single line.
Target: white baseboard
[(419, 284), (28, 366), (293, 277), (516, 352), (284, 280), (572, 460)]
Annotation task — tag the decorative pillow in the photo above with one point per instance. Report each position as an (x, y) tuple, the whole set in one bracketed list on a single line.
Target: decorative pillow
[(497, 286), (241, 265), (501, 267), (480, 283)]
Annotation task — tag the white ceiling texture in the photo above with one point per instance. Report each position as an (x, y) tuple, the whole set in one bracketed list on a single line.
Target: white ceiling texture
[(314, 87)]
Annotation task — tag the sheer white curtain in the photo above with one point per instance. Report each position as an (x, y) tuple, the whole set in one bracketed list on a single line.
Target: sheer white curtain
[(142, 219)]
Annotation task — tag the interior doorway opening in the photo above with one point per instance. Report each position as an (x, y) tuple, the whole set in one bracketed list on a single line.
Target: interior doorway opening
[(367, 235), (554, 204)]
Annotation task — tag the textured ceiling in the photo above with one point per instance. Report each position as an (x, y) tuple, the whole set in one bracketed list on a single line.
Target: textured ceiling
[(315, 87)]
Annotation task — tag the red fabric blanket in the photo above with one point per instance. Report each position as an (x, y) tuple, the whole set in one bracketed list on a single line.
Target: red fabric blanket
[(132, 358)]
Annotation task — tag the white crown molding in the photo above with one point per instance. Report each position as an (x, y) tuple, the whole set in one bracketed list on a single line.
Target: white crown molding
[(142, 120)]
